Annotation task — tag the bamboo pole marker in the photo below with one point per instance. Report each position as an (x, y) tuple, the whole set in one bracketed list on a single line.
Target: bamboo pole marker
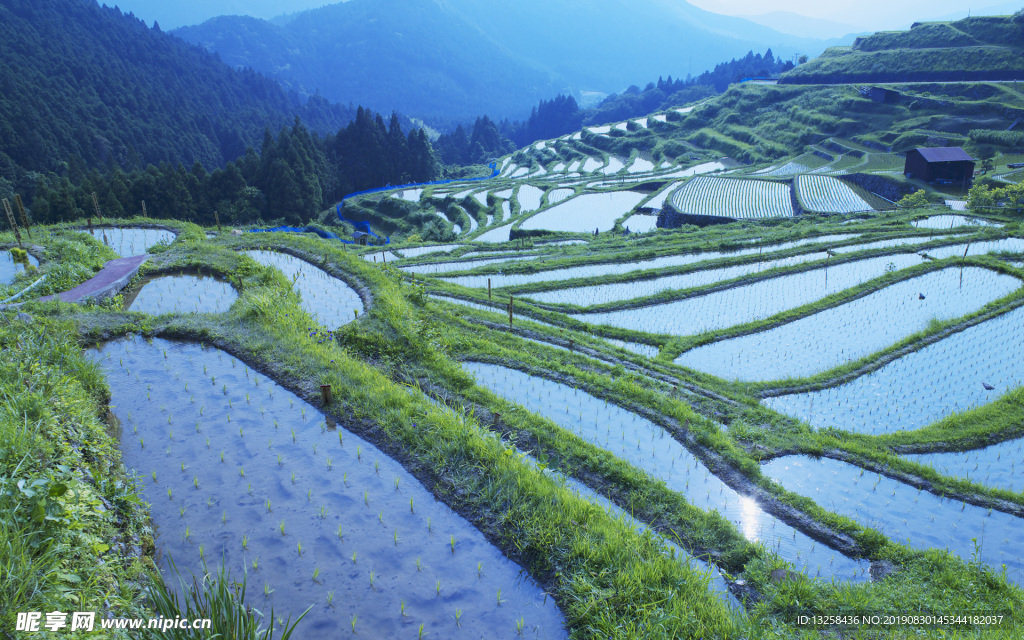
[(216, 218), (24, 216), (326, 394), (488, 289), (384, 257), (144, 214), (10, 219), (510, 311), (96, 205)]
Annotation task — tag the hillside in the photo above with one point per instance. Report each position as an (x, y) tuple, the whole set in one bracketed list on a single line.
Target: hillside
[(89, 87), (463, 58), (972, 49)]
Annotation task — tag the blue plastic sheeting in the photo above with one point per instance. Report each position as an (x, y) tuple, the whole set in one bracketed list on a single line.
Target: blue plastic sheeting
[(494, 172), (365, 226)]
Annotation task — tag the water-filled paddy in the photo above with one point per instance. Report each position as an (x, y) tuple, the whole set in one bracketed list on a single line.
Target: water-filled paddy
[(640, 223), (999, 465), (415, 252), (620, 267), (228, 459), (739, 305), (131, 241), (180, 294), (905, 514), (924, 386), (529, 198), (9, 267), (498, 234), (444, 267), (329, 300), (648, 447), (952, 221), (853, 330), (586, 212)]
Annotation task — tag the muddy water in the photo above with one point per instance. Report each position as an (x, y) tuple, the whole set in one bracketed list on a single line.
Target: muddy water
[(241, 455), (905, 514), (181, 294), (648, 447)]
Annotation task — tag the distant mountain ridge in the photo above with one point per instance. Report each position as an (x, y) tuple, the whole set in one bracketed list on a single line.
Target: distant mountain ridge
[(87, 87), (459, 58)]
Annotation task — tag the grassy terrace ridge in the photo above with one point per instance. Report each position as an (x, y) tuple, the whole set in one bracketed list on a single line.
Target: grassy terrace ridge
[(608, 580), (975, 48)]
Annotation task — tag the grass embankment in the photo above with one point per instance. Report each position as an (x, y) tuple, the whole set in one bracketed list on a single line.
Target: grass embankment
[(924, 583), (72, 530), (608, 580)]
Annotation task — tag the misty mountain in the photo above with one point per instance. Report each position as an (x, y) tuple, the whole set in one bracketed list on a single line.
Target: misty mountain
[(86, 87), (457, 58), (796, 24)]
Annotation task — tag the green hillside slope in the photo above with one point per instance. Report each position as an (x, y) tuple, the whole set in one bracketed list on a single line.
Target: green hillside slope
[(982, 48)]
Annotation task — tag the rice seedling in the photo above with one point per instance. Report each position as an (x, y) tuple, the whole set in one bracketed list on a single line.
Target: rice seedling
[(437, 588), (298, 547), (372, 579), (420, 635), (353, 557), (419, 565), (402, 608), (340, 534), (354, 618), (316, 575), (245, 542), (458, 617), (330, 599), (281, 527), (520, 624)]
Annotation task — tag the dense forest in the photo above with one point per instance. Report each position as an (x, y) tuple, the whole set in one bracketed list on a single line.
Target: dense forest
[(562, 115), (294, 176)]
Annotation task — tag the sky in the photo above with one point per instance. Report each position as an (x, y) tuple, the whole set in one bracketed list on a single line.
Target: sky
[(867, 15), (871, 14)]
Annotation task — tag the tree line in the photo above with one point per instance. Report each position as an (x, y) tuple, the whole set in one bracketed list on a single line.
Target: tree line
[(291, 179)]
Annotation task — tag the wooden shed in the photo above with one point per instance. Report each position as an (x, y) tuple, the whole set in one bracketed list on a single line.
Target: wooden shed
[(945, 165)]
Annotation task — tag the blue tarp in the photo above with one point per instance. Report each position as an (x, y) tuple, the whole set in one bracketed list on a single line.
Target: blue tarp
[(365, 226)]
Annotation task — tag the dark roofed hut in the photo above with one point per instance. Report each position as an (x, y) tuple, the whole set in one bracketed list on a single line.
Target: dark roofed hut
[(948, 165)]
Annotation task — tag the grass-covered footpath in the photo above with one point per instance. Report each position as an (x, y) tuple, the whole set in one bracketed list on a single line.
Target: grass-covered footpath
[(73, 534)]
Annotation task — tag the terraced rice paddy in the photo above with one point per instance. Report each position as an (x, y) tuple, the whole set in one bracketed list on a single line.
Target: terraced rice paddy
[(416, 252), (330, 301), (739, 305), (616, 268), (640, 223), (953, 221), (529, 198), (445, 267), (239, 469), (559, 195), (999, 465), (10, 268), (733, 198), (614, 166), (180, 294), (640, 165), (131, 241), (648, 447), (905, 514), (853, 330), (826, 194), (924, 386), (499, 234), (410, 195), (586, 213)]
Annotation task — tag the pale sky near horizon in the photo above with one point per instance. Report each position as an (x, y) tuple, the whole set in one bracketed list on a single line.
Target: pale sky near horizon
[(870, 14), (856, 12)]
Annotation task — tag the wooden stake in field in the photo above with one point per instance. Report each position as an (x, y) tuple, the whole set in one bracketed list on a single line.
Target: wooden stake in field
[(488, 289), (510, 311), (17, 233), (326, 394), (144, 214), (24, 216), (216, 218), (96, 205)]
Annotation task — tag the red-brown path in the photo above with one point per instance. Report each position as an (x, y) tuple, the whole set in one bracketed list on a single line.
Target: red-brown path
[(114, 276)]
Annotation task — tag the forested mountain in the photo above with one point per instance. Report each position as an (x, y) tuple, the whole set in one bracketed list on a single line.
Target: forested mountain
[(85, 86), (562, 114), (293, 177), (462, 58)]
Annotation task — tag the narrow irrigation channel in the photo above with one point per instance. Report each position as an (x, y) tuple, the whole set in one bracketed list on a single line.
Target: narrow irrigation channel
[(238, 469), (648, 447)]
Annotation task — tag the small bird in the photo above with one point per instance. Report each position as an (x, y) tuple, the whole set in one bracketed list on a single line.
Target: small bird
[(987, 386), (920, 296)]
